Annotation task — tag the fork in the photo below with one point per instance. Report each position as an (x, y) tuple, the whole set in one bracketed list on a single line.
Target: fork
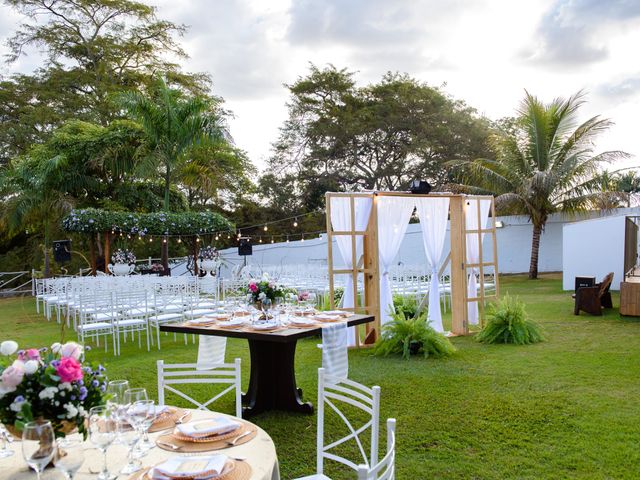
[(182, 417)]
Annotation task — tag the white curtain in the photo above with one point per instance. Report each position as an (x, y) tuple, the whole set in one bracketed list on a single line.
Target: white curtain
[(433, 213), (473, 248), (393, 219), (341, 221), (211, 351)]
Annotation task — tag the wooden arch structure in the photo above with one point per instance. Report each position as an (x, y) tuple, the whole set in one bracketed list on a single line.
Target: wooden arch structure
[(366, 267)]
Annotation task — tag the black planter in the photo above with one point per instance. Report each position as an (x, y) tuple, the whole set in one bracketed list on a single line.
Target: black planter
[(414, 347)]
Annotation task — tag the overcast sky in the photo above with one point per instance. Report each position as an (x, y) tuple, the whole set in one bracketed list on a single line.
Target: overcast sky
[(485, 51)]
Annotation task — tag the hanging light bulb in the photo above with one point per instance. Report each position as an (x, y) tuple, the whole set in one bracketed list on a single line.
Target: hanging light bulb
[(121, 234), (164, 240), (295, 222), (128, 236), (260, 239), (302, 239), (217, 238), (287, 238), (265, 228), (271, 238), (150, 239), (179, 239), (198, 239)]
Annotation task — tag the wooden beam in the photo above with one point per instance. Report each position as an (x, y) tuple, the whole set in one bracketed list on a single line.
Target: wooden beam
[(372, 277), (459, 318)]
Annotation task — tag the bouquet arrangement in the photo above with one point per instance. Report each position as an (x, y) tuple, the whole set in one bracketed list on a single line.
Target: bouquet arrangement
[(209, 253), (123, 256), (52, 384), (259, 291)]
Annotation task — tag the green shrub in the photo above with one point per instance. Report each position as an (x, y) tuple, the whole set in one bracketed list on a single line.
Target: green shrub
[(507, 322), (401, 333), (407, 305)]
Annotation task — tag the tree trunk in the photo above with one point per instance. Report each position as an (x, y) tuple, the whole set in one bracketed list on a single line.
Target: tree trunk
[(535, 249), (107, 251), (195, 257), (92, 253)]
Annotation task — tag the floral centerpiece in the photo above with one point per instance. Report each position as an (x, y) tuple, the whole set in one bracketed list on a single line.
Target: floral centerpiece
[(51, 384), (209, 253), (259, 291), (123, 256)]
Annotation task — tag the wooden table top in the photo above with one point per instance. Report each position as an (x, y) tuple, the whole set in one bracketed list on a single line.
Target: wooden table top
[(284, 335)]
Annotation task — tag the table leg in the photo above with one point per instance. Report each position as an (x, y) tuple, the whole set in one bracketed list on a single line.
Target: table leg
[(273, 383)]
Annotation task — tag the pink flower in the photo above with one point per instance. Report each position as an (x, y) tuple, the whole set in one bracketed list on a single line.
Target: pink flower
[(12, 376), (69, 370), (253, 287), (33, 354), (71, 349)]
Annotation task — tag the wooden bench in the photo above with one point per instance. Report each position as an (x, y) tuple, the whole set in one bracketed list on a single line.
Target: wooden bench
[(593, 299)]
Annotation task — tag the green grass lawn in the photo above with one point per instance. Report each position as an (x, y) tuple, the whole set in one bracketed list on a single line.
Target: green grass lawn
[(565, 408)]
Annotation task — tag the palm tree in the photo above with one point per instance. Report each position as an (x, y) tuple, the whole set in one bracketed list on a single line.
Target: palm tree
[(544, 163), (173, 123)]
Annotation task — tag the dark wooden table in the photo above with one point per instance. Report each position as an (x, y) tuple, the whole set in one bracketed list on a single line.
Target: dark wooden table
[(272, 385)]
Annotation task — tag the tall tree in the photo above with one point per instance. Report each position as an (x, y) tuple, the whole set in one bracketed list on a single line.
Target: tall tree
[(174, 123), (544, 163), (379, 136), (93, 49)]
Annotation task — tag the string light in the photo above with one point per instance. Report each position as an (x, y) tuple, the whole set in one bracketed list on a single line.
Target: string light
[(164, 240), (179, 239), (265, 228), (287, 238), (272, 239), (302, 239), (217, 238), (295, 222), (198, 239), (260, 239), (150, 239), (128, 236)]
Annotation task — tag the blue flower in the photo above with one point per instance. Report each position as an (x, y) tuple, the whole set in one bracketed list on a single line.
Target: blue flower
[(95, 383), (19, 399)]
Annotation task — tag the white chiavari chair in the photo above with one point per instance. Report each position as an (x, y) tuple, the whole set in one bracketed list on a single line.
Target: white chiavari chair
[(385, 469)]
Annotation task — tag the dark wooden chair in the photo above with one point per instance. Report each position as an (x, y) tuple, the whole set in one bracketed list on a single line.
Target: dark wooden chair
[(593, 299)]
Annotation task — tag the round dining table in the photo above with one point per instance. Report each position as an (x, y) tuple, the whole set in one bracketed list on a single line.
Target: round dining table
[(260, 454)]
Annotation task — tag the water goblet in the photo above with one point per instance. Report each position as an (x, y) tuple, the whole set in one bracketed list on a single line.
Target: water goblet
[(6, 438), (69, 456), (130, 437), (118, 388), (38, 445), (133, 395), (144, 412), (102, 433)]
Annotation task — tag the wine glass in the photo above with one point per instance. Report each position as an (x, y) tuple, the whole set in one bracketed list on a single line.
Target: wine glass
[(312, 300), (132, 395), (130, 435), (6, 438), (69, 456), (38, 444), (118, 388), (102, 432), (143, 413)]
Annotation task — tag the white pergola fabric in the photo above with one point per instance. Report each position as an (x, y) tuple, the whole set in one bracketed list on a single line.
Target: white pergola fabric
[(433, 213), (341, 221), (393, 219), (473, 248)]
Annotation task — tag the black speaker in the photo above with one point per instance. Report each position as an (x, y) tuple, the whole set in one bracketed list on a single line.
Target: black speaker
[(245, 248), (62, 251)]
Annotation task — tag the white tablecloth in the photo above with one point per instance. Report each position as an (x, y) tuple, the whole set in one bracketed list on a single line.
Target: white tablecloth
[(260, 453)]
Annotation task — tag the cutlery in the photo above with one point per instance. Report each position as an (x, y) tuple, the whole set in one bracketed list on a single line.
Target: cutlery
[(235, 440), (169, 445), (182, 417)]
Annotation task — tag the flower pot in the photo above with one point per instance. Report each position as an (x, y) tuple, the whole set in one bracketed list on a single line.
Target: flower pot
[(65, 429), (121, 269), (414, 347)]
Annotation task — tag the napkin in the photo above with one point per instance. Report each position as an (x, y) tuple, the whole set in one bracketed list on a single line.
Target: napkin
[(201, 320), (327, 318), (342, 313), (219, 316), (302, 321), (205, 428), (231, 323), (264, 326), (190, 467)]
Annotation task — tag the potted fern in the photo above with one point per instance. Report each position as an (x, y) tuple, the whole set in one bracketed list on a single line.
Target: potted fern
[(507, 322), (412, 336)]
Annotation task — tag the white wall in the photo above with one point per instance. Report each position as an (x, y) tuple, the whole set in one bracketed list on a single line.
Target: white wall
[(593, 248), (514, 245)]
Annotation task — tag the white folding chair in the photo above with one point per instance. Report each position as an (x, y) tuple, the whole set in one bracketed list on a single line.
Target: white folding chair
[(186, 373), (385, 469), (333, 391)]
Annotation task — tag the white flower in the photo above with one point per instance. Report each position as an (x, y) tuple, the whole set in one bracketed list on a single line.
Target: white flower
[(48, 392), (265, 277), (8, 347), (71, 349), (55, 348), (31, 367), (262, 297), (81, 411), (65, 386), (72, 411)]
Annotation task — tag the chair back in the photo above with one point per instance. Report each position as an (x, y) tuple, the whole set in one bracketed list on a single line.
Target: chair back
[(385, 468), (335, 392), (605, 284), (170, 375)]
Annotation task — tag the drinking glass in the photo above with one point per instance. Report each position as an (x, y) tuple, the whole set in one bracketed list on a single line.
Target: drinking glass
[(118, 388), (38, 444), (132, 395), (6, 438), (143, 413), (69, 456), (130, 437), (102, 432), (312, 300)]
